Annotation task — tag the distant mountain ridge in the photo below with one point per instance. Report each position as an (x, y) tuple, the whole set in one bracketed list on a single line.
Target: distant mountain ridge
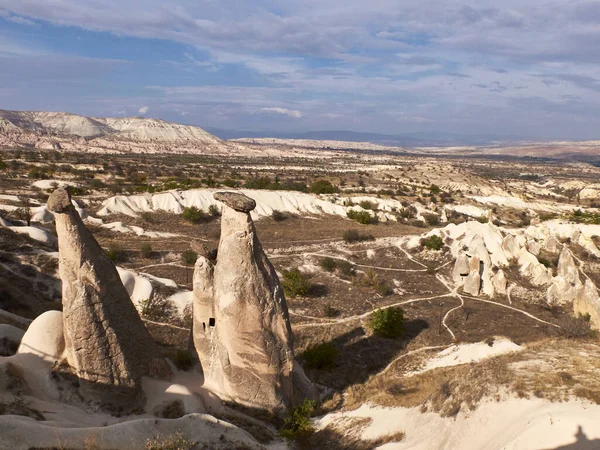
[(137, 129), (417, 139)]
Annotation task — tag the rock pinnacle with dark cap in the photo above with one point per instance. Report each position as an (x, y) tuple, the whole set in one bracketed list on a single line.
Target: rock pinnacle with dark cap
[(236, 201)]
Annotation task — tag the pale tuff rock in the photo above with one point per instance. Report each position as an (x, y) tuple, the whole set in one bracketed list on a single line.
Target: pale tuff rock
[(106, 343), (533, 247), (461, 268), (551, 245), (567, 267), (499, 281), (44, 337), (533, 269), (242, 331), (472, 284), (509, 246), (588, 302)]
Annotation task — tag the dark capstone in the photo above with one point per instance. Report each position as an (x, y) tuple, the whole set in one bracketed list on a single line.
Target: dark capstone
[(236, 200), (59, 200)]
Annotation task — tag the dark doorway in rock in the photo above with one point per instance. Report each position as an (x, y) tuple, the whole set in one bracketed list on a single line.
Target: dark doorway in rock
[(211, 322)]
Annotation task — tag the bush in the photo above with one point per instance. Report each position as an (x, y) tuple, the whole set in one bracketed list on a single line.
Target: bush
[(116, 253), (353, 235), (482, 219), (2, 165), (173, 441), (320, 356), (157, 309), (328, 264), (298, 427), (96, 184), (183, 360), (278, 216), (432, 242), (146, 250), (346, 268), (193, 215), (388, 322), (363, 217), (323, 187), (576, 327), (434, 189), (432, 219), (213, 211), (365, 204), (295, 283), (189, 257)]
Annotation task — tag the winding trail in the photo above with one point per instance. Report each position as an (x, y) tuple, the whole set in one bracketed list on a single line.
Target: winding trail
[(451, 293)]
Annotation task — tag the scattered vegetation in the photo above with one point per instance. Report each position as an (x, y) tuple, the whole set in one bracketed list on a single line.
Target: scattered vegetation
[(295, 283), (353, 235), (579, 216), (364, 217), (323, 187), (116, 253), (387, 322), (328, 264), (157, 309), (433, 242), (298, 427), (183, 360), (321, 356), (189, 257), (278, 216), (146, 250), (173, 441)]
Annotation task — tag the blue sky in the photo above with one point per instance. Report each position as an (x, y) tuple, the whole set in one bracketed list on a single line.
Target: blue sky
[(516, 67)]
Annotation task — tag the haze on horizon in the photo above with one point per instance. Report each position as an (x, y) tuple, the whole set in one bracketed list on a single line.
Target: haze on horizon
[(527, 68)]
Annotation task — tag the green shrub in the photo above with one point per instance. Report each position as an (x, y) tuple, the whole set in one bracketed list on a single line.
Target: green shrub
[(146, 250), (183, 360), (157, 309), (434, 189), (364, 217), (2, 165), (432, 242), (278, 216), (96, 184), (295, 283), (193, 214), (328, 264), (346, 268), (298, 427), (213, 211), (321, 356), (330, 311), (353, 235), (388, 322), (432, 219), (323, 187), (365, 204), (173, 441), (189, 257), (482, 219), (116, 253)]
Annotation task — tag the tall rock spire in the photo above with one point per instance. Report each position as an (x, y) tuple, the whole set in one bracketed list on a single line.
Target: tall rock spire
[(242, 330), (106, 343)]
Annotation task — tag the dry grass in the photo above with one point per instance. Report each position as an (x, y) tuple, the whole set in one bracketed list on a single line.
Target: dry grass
[(556, 370), (346, 434)]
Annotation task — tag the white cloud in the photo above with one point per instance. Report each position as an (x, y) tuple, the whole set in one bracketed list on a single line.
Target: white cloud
[(284, 111), (143, 110)]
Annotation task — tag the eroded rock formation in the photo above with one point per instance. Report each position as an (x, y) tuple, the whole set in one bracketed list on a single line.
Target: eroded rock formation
[(242, 330), (106, 343)]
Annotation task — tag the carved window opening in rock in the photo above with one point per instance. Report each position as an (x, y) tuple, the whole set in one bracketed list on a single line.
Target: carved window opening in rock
[(481, 268), (204, 325), (211, 322)]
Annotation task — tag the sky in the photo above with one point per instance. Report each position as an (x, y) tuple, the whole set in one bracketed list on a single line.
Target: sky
[(510, 67)]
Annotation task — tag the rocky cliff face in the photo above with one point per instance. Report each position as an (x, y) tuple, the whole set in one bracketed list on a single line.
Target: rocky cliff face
[(242, 330), (106, 343)]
